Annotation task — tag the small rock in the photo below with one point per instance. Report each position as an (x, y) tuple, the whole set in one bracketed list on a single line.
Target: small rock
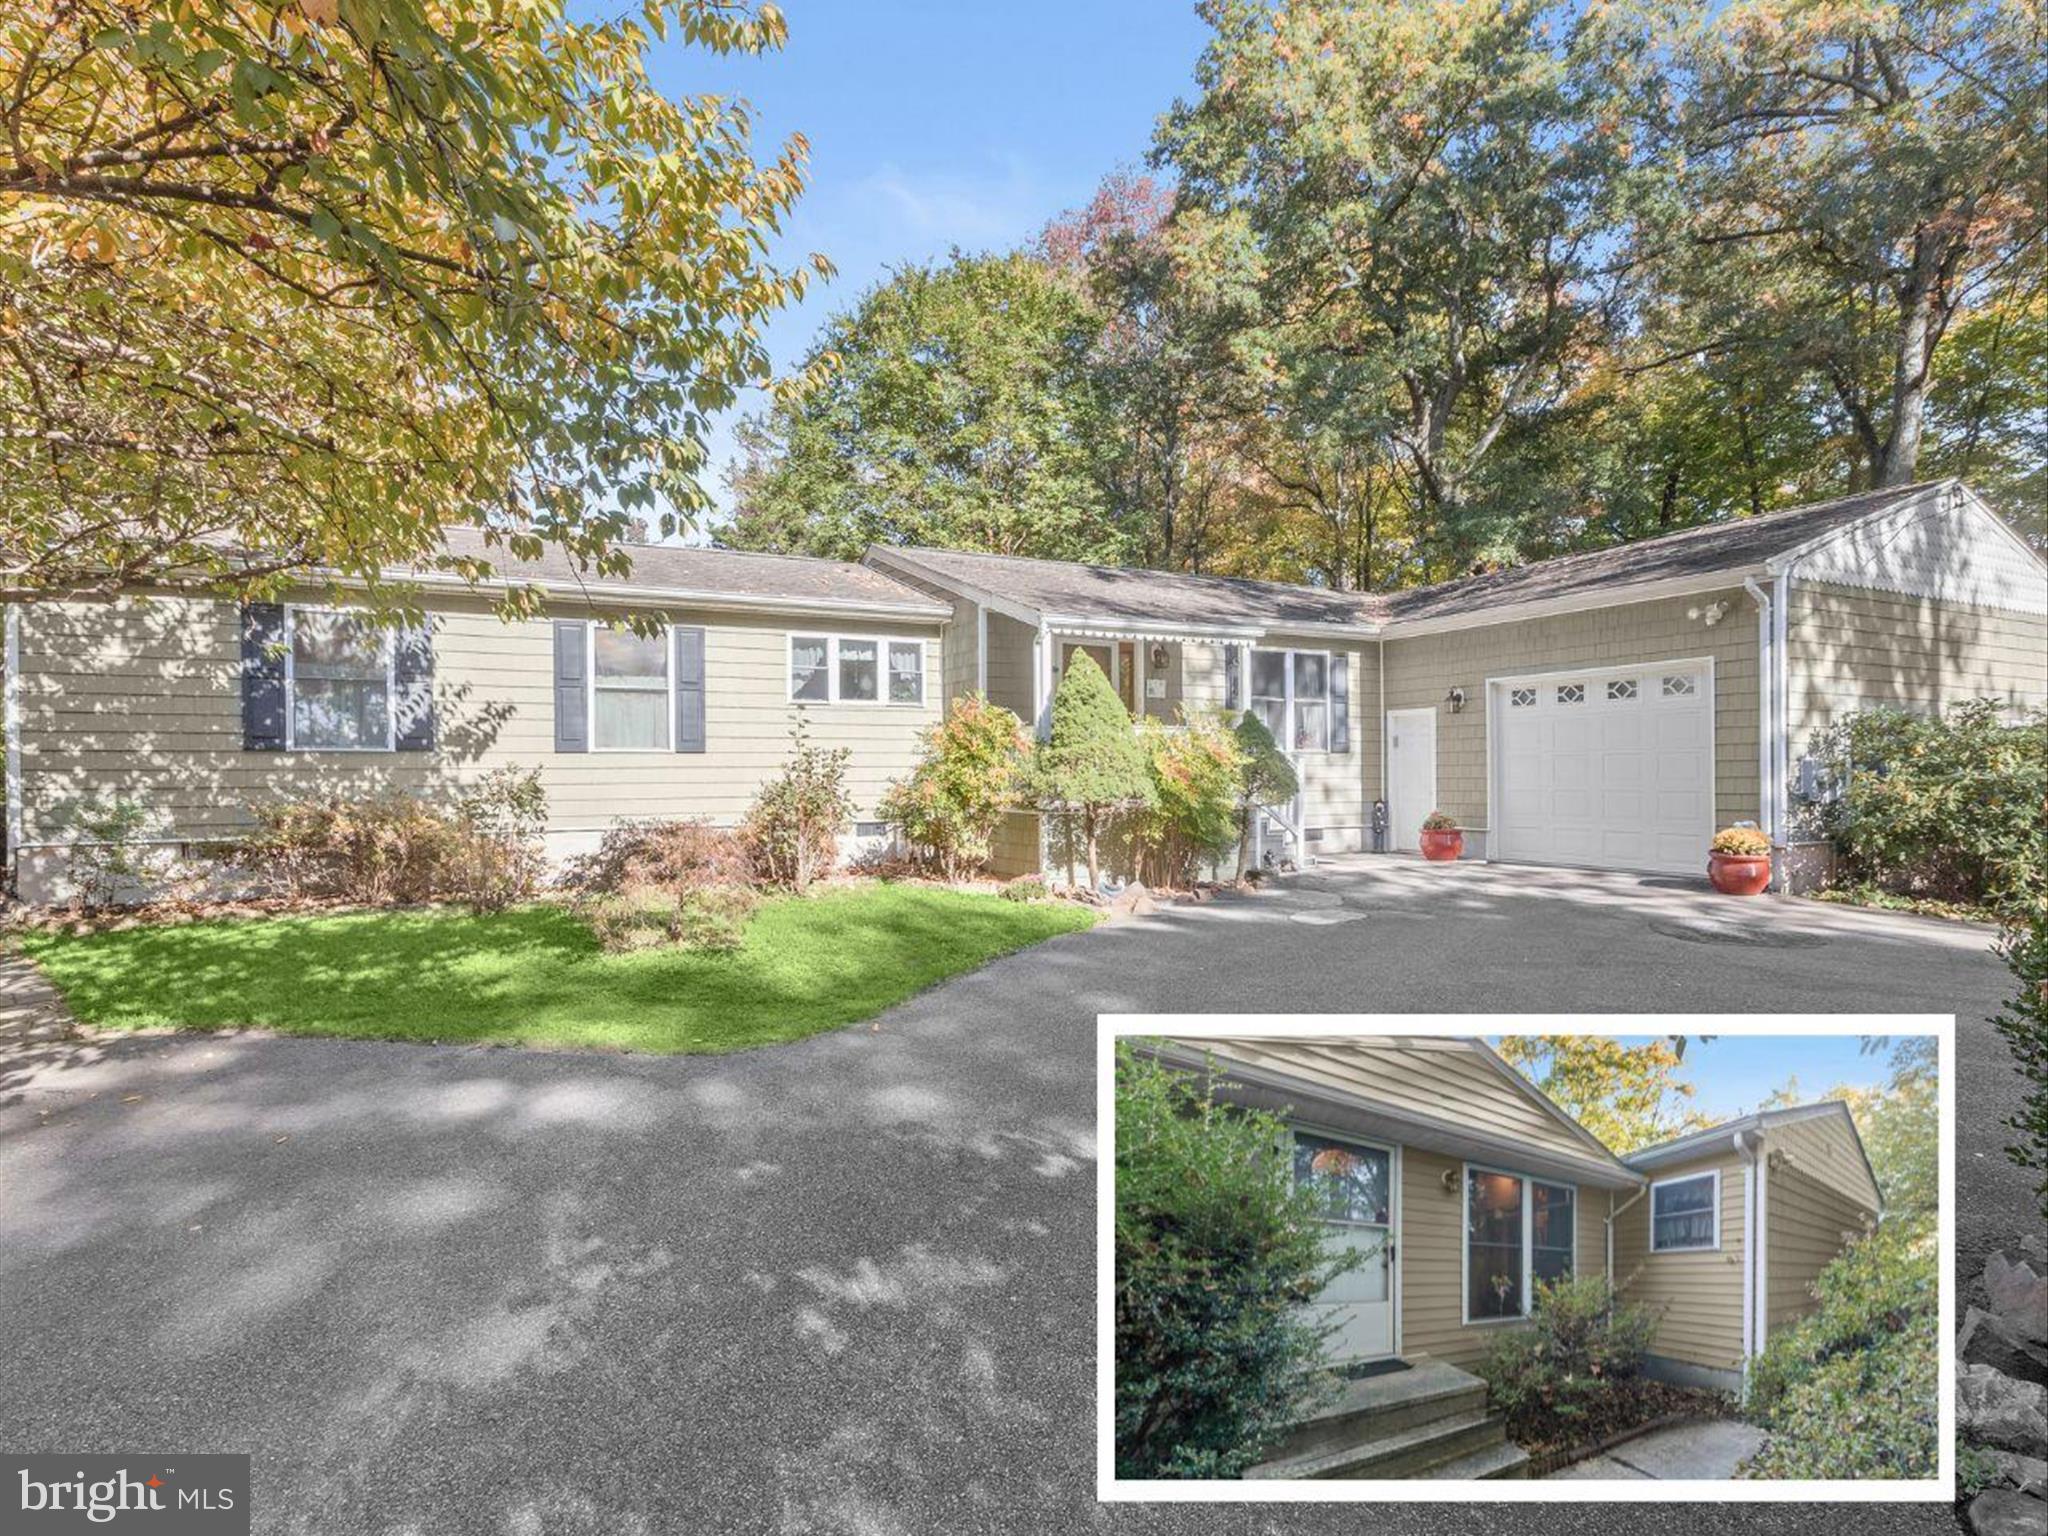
[(2004, 1513), (2029, 1474), (1994, 1409), (1133, 901), (2019, 1296), (2034, 1248)]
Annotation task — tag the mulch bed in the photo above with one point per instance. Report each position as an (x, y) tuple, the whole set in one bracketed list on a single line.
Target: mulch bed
[(1633, 1408)]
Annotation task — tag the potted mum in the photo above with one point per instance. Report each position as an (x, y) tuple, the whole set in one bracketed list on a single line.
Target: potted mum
[(1739, 861), (1441, 838)]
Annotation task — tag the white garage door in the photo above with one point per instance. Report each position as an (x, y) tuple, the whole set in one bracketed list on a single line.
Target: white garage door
[(1613, 769)]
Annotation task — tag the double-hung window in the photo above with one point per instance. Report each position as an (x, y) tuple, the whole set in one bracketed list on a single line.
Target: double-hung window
[(340, 681), (1519, 1233), (1685, 1214), (855, 669), (630, 702), (1291, 695)]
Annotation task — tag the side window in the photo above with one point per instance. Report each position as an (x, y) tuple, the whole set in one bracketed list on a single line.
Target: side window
[(1685, 1214), (810, 668), (855, 669), (629, 699)]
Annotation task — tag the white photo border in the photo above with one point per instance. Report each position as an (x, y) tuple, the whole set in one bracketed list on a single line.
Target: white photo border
[(1111, 1489)]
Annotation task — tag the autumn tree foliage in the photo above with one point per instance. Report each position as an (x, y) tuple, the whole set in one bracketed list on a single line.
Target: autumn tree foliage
[(1630, 1096), (291, 287)]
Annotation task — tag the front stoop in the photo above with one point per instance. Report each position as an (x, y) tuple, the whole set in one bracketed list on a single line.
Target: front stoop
[(1430, 1421)]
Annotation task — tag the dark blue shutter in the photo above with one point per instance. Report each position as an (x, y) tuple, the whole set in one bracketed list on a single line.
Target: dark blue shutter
[(412, 676), (688, 646), (572, 686), (1340, 702), (1233, 677), (263, 693)]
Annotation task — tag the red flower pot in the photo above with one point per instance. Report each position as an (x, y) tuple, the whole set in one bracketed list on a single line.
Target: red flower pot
[(1739, 874), (1443, 846)]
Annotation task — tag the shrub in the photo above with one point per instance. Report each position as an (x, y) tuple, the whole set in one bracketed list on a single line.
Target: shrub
[(1741, 843), (1949, 808), (497, 859), (1025, 888), (792, 830), (110, 859), (1090, 768), (1851, 1391), (1439, 821), (1217, 1250), (970, 776), (2024, 1023), (1581, 1344), (375, 851), (646, 916), (1192, 812), (1266, 776), (677, 855)]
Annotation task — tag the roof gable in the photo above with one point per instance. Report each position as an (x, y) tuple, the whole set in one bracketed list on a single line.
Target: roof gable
[(1821, 1139), (1948, 546)]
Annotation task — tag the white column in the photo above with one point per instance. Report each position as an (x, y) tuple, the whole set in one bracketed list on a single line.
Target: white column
[(981, 648), (1041, 681)]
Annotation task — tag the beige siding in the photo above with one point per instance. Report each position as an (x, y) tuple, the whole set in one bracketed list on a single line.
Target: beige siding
[(1807, 1223), (1445, 1080), (959, 638), (1423, 670), (1337, 787), (1432, 1258), (1825, 1148), (1699, 1294), (143, 701), (1853, 649), (1010, 661)]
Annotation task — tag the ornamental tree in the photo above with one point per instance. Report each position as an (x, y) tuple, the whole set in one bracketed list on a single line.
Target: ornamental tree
[(1266, 776), (1091, 766), (970, 776), (293, 287)]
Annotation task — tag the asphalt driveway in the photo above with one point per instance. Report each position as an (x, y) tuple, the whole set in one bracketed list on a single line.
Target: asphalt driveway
[(838, 1286)]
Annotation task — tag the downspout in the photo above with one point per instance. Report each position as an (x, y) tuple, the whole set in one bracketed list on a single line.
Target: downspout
[(1381, 728), (981, 649), (1767, 713), (1746, 1149), (1612, 1212), (1781, 690)]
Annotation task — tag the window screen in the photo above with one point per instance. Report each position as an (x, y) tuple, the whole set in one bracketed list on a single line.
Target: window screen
[(341, 682), (1682, 1214)]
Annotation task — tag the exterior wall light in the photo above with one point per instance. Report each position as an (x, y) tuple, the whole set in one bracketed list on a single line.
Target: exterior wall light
[(1456, 699)]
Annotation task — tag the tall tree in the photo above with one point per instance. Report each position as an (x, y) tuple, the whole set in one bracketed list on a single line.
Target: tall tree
[(1853, 178), (1899, 1122), (1411, 208), (1630, 1096), (295, 287), (953, 405)]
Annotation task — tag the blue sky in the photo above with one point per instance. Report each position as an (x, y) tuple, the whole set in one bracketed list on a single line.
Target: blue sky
[(1733, 1073), (940, 124)]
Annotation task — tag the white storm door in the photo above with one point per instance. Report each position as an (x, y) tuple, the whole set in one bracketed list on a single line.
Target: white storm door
[(1411, 774), (1610, 769), (1356, 1183)]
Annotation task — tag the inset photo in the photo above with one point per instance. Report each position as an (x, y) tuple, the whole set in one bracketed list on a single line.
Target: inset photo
[(1575, 1258)]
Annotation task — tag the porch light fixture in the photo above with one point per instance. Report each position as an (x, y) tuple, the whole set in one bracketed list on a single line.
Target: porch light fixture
[(1456, 699), (1158, 658), (1709, 615)]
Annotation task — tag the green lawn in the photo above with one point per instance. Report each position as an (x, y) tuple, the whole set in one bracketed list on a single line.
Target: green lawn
[(535, 976)]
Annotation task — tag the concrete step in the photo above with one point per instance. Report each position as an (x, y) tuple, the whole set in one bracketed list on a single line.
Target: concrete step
[(1505, 1460), (1405, 1452), (1380, 1405)]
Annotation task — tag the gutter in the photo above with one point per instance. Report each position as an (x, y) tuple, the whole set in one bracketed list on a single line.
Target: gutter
[(692, 596), (10, 692)]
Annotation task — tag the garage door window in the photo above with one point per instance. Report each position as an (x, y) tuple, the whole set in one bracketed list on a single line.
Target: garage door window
[(1621, 690), (1680, 685), (1571, 693)]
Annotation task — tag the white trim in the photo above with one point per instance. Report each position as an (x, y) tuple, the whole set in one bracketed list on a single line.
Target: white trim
[(10, 723), (389, 643), (981, 649), (692, 597), (1687, 1178), (668, 692), (833, 641), (1748, 1269), (1288, 699), (1577, 602), (1041, 691)]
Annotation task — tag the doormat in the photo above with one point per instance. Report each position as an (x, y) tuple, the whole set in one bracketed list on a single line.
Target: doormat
[(1374, 1368)]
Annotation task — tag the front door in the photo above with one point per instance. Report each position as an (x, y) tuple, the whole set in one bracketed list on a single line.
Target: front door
[(1411, 773), (1355, 1181)]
